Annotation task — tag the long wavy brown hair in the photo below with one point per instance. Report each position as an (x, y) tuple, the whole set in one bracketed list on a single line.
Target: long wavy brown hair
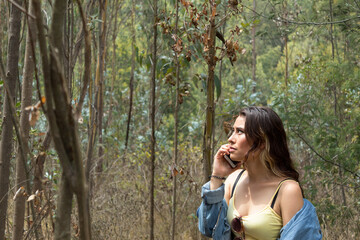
[(265, 131)]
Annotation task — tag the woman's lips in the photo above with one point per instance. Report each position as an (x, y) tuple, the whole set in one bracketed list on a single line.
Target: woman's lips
[(232, 149)]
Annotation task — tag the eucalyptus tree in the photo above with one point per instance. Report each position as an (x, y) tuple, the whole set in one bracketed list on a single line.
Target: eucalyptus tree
[(62, 125), (26, 94), (6, 146), (152, 111)]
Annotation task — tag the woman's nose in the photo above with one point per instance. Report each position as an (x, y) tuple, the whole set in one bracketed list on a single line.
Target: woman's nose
[(231, 138)]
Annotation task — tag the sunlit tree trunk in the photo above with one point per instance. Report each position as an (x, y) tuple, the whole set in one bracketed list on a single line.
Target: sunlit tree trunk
[(6, 146), (152, 121), (210, 107)]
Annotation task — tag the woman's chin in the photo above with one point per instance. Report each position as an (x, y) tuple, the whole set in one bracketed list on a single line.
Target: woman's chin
[(234, 158)]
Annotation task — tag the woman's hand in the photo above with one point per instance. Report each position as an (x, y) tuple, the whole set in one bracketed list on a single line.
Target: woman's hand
[(221, 167)]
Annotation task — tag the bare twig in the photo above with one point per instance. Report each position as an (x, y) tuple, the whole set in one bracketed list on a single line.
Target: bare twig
[(21, 9)]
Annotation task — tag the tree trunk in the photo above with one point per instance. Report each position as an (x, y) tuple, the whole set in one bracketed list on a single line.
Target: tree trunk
[(152, 122), (100, 100), (63, 211), (253, 33), (26, 95), (96, 119), (131, 83), (286, 47), (176, 118), (6, 146), (210, 107), (60, 116)]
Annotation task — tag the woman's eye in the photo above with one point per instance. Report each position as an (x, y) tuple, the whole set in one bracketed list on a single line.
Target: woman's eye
[(239, 131)]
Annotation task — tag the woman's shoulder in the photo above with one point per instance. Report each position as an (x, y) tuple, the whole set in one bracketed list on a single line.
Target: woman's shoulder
[(229, 183), (290, 187), (291, 199), (233, 176)]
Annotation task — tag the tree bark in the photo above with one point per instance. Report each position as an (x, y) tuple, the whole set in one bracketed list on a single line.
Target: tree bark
[(210, 107), (131, 83), (29, 67), (176, 118), (96, 118), (101, 84), (286, 46), (6, 146), (152, 122), (87, 60), (253, 33), (60, 116)]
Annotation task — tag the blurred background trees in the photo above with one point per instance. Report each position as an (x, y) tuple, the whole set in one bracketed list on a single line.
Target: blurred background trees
[(212, 58)]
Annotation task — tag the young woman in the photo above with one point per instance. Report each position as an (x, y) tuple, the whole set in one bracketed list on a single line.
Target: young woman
[(263, 200)]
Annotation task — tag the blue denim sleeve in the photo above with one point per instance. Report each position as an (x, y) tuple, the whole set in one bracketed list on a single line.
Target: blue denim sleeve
[(212, 213), (304, 225)]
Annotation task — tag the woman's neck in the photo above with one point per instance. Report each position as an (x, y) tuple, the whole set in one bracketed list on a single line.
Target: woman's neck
[(257, 172)]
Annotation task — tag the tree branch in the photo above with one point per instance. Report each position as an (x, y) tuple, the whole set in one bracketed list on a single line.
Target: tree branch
[(21, 9), (284, 20), (321, 157)]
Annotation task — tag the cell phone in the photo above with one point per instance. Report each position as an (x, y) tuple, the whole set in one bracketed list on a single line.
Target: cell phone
[(232, 163)]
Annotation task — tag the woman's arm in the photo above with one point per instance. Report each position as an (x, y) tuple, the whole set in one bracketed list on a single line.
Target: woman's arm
[(291, 200), (212, 213)]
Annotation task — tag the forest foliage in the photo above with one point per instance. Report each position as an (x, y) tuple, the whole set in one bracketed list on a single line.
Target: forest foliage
[(301, 58)]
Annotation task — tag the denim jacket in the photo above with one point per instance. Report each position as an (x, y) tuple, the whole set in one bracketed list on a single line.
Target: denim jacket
[(213, 223)]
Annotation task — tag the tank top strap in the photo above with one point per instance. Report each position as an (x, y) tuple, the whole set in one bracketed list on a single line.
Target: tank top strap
[(236, 181), (273, 199)]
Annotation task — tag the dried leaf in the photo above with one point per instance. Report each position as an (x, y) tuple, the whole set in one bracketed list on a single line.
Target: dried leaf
[(174, 172), (80, 120), (32, 197), (20, 191), (34, 116), (29, 108)]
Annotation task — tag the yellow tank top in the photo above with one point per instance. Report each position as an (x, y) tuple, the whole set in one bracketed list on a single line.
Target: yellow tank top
[(264, 225)]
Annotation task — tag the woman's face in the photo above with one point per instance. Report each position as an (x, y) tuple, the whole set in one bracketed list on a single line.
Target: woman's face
[(239, 145)]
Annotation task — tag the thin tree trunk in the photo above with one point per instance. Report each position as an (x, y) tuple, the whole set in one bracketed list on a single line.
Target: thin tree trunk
[(253, 33), (87, 58), (96, 122), (60, 116), (29, 67), (176, 118), (6, 146), (210, 107), (152, 122), (286, 46), (100, 100), (131, 83), (331, 31)]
